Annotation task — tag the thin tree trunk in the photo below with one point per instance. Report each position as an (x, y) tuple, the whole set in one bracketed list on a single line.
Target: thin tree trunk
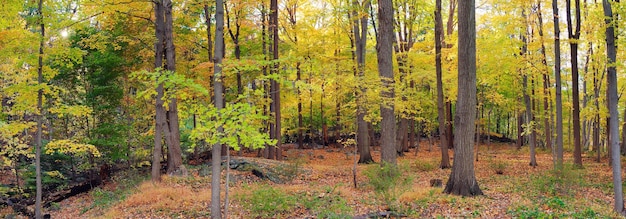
[(40, 114), (359, 29), (574, 35), (557, 73), (613, 123), (441, 116), (546, 81), (274, 84), (216, 159)]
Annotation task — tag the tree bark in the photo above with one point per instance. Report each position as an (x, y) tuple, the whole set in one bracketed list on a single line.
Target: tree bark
[(275, 86), (462, 179), (557, 76), (614, 120), (385, 70), (441, 116), (359, 28), (216, 160), (40, 112), (574, 35), (546, 81)]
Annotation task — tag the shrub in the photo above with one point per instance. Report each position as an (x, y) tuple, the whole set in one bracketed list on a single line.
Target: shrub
[(268, 202), (327, 204), (424, 165), (388, 182), (498, 166)]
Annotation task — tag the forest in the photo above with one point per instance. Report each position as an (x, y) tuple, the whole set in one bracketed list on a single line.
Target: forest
[(312, 109)]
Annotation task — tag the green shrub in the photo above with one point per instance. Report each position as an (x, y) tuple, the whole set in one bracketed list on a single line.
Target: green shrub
[(327, 204), (425, 165), (498, 166), (268, 202), (389, 182)]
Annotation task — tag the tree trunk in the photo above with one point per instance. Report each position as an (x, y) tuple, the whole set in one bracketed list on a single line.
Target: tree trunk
[(449, 128), (441, 116), (274, 84), (530, 119), (613, 123), (216, 160), (546, 81), (359, 28), (39, 116), (520, 130), (462, 179), (385, 70), (574, 35), (300, 123), (557, 76)]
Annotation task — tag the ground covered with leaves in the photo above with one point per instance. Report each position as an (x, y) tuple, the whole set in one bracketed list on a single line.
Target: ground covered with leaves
[(318, 183)]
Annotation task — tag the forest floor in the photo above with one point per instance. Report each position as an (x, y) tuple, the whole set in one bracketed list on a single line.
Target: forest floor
[(321, 186)]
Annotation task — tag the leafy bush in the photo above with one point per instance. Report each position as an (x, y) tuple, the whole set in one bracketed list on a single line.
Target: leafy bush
[(268, 202), (389, 182), (498, 166), (327, 204), (425, 165)]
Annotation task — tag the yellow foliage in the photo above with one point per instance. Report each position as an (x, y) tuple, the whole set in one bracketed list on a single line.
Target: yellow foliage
[(70, 147)]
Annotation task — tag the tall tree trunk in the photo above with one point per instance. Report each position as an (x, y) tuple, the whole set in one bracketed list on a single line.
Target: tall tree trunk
[(557, 76), (441, 116), (40, 112), (275, 86), (546, 81), (613, 123), (216, 154), (300, 122), (160, 119), (462, 178), (529, 112), (384, 50), (574, 35), (359, 29)]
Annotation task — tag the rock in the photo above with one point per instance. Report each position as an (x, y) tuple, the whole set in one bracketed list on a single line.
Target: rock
[(436, 183)]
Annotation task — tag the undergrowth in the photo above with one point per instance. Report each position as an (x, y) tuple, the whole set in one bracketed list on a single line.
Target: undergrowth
[(268, 202), (127, 183), (389, 182)]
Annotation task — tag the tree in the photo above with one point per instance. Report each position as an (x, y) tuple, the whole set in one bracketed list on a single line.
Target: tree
[(216, 153), (574, 35), (274, 84), (384, 51), (557, 76), (530, 118), (614, 114), (445, 159), (359, 30), (462, 179), (38, 141), (166, 120)]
